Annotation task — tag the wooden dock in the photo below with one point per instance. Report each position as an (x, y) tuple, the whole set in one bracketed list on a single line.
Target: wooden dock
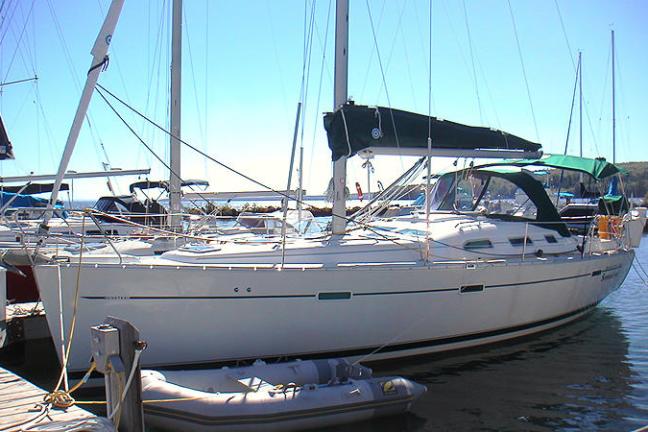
[(22, 409)]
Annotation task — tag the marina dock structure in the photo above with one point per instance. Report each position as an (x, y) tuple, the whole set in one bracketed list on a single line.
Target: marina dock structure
[(22, 322), (23, 408)]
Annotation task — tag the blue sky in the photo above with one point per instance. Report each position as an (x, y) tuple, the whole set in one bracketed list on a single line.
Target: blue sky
[(242, 71)]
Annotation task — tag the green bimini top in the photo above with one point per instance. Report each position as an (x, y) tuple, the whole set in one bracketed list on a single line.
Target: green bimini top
[(598, 168)]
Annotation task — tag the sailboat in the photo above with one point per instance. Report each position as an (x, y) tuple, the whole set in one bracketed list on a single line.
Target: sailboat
[(452, 277), (6, 149)]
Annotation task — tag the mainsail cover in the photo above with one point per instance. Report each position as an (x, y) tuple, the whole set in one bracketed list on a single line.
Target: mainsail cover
[(6, 150), (353, 128)]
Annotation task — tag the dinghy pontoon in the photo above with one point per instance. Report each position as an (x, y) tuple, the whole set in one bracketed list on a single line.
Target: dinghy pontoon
[(284, 396)]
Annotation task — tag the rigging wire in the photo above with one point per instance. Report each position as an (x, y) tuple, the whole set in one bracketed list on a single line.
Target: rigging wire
[(604, 94), (155, 71), (472, 59), (10, 20), (399, 30), (428, 161), (308, 38), (206, 81), (195, 90), (420, 38), (571, 110), (384, 81), (526, 81), (278, 63), (75, 78), (457, 41), (371, 57), (101, 88), (625, 127), (26, 44), (408, 63), (573, 61), (305, 98), (321, 80), (285, 195), (130, 128), (306, 65), (562, 26), (19, 40), (571, 114), (490, 95)]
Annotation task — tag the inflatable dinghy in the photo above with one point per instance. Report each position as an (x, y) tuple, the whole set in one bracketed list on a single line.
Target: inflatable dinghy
[(272, 397)]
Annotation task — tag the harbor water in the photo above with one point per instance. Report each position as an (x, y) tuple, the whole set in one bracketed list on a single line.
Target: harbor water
[(591, 375)]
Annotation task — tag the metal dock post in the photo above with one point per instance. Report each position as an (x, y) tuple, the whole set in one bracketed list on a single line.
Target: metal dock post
[(115, 344)]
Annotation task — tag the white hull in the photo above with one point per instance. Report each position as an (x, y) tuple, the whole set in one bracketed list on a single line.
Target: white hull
[(227, 314)]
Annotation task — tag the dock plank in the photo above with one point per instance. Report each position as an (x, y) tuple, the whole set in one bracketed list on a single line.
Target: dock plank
[(21, 404)]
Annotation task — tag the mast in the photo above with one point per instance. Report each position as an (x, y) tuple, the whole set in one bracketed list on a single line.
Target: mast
[(300, 193), (580, 110), (613, 105), (175, 194), (580, 105), (99, 60), (340, 97)]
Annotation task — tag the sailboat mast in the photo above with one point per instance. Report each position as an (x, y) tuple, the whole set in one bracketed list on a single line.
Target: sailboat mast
[(580, 105), (175, 195), (339, 98), (613, 105), (99, 59)]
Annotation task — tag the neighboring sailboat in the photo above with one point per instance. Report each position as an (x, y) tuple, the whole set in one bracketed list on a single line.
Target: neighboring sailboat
[(6, 149)]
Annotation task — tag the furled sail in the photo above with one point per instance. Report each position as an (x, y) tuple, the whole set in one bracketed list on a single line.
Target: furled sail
[(6, 150), (356, 128)]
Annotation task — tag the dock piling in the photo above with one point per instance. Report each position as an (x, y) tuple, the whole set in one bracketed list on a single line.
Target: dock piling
[(114, 348)]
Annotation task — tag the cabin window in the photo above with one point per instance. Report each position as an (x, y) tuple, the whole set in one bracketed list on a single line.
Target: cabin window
[(551, 239), (519, 241), (478, 244), (334, 296), (471, 288)]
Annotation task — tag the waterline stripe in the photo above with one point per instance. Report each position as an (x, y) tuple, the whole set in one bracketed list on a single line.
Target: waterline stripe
[(540, 281)]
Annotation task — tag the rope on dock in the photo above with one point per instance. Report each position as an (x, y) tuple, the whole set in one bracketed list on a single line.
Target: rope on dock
[(43, 410), (98, 424)]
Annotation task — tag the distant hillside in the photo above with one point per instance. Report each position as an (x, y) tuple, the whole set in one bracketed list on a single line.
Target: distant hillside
[(636, 182)]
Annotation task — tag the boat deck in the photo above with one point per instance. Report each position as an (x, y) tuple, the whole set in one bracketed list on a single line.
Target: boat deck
[(22, 407)]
